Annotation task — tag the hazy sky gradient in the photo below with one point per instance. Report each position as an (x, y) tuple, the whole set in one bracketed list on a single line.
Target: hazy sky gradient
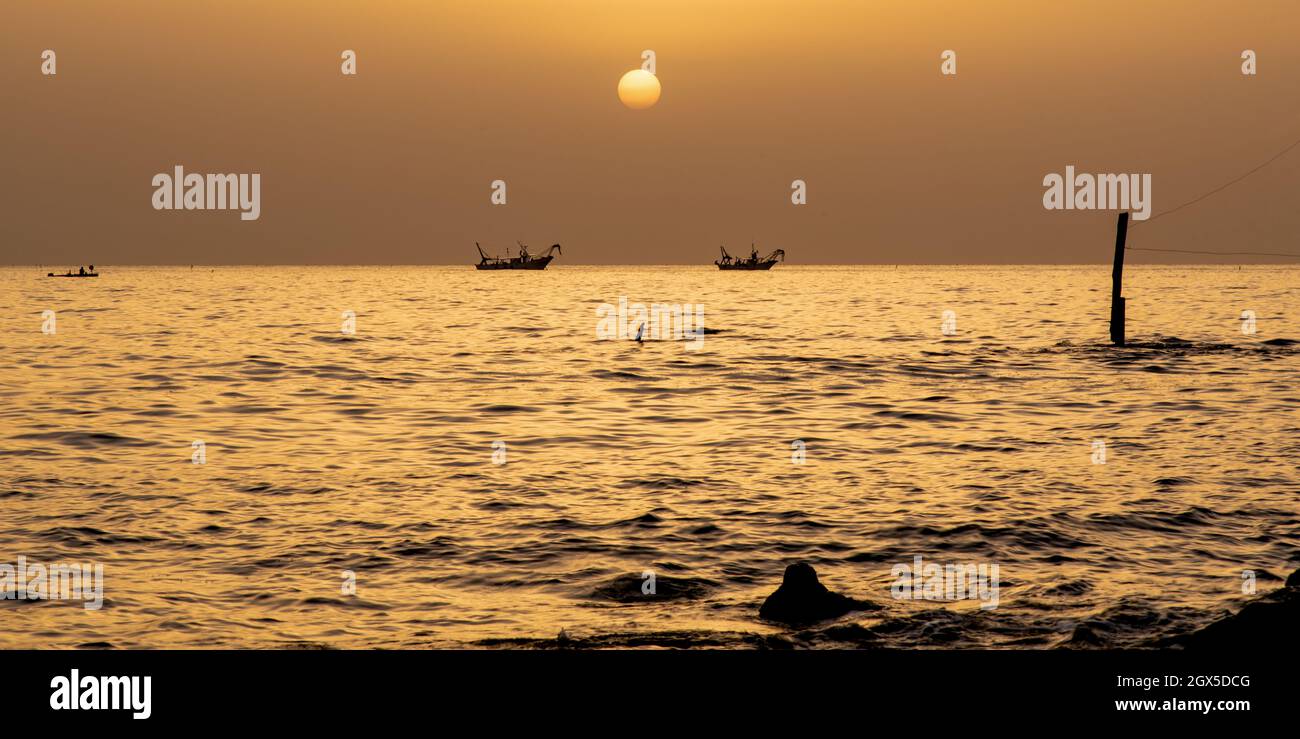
[(393, 166)]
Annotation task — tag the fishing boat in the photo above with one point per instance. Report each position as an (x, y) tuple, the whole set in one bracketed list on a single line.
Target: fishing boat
[(70, 273), (753, 261), (523, 261)]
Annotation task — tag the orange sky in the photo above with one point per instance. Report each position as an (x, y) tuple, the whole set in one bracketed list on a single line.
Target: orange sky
[(903, 165)]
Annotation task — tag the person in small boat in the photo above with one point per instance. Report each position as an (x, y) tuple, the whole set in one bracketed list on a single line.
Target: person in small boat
[(81, 271), (92, 269)]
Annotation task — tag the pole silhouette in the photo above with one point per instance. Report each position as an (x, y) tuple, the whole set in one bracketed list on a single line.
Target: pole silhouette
[(1117, 283)]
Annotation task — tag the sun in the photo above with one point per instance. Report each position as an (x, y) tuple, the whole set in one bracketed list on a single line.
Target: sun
[(638, 89)]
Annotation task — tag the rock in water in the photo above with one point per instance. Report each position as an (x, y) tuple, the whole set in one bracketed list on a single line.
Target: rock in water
[(1267, 620), (802, 599)]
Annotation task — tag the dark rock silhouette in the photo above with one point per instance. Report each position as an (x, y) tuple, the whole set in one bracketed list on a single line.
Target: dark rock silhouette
[(1266, 622), (802, 599)]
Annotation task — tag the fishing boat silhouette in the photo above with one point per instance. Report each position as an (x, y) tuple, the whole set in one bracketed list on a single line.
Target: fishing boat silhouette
[(523, 261), (753, 261), (81, 272)]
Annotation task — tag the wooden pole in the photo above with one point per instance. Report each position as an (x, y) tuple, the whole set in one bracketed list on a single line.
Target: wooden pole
[(1117, 283)]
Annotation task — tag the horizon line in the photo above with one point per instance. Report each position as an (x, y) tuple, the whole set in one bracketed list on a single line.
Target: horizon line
[(63, 265)]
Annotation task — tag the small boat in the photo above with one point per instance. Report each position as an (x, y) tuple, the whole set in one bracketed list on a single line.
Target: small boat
[(753, 261), (70, 273), (523, 261)]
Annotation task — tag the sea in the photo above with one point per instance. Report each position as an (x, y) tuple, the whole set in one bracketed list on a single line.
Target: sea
[(436, 457)]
